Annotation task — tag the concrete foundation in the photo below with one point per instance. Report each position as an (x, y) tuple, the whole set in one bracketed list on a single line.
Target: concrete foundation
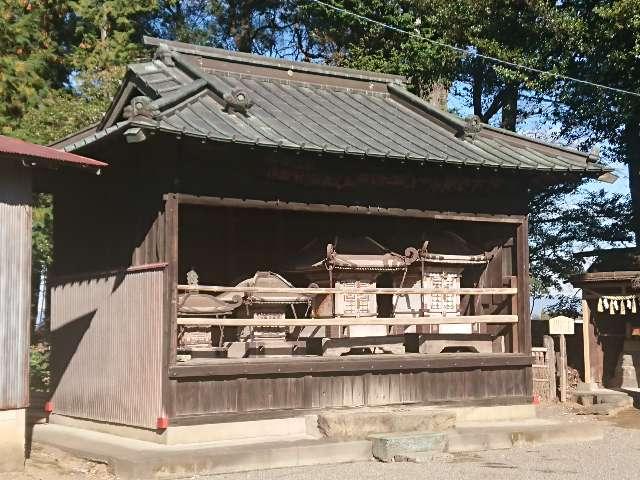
[(137, 460), (12, 438), (338, 424), (210, 432), (460, 430)]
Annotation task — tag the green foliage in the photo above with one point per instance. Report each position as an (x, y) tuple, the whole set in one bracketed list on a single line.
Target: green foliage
[(42, 214), (564, 306), (39, 367), (28, 56), (565, 220), (346, 41), (188, 21), (251, 25), (606, 50), (64, 111), (107, 33)]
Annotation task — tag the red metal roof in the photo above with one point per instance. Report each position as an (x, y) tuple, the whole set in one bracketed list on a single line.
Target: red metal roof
[(29, 151)]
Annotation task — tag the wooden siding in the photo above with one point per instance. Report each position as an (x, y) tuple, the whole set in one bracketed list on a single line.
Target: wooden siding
[(125, 227), (205, 396), (107, 346), (15, 284)]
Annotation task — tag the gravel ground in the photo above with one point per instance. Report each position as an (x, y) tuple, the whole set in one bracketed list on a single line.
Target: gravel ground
[(614, 457)]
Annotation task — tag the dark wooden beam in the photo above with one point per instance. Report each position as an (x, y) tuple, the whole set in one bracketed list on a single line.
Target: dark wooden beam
[(360, 363), (169, 332), (183, 420), (184, 199)]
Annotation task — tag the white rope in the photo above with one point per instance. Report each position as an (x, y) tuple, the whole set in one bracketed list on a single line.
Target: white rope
[(469, 53)]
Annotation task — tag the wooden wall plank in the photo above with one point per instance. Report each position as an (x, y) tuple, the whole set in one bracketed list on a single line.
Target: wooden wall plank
[(522, 264), (201, 396)]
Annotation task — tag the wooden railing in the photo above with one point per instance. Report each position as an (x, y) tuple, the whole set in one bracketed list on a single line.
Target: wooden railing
[(345, 321)]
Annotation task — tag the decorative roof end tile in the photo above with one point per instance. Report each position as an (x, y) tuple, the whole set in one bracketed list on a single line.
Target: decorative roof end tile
[(237, 101), (141, 106), (163, 53), (472, 127)]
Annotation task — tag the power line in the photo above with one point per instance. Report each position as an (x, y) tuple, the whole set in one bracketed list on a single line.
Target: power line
[(469, 53)]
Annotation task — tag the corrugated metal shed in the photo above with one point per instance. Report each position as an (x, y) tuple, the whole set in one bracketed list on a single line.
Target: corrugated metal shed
[(15, 284), (189, 90), (14, 149), (15, 259)]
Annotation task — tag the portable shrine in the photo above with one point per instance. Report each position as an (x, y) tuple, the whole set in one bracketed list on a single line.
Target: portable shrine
[(350, 263), (198, 341), (440, 270), (271, 339)]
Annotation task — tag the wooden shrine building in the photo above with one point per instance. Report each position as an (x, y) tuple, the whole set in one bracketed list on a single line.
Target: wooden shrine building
[(20, 164), (276, 237), (611, 318)]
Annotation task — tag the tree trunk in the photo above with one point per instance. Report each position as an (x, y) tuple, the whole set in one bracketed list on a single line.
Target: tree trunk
[(438, 96), (240, 27), (510, 108), (632, 140)]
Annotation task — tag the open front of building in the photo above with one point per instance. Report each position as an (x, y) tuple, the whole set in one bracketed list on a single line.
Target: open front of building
[(274, 238)]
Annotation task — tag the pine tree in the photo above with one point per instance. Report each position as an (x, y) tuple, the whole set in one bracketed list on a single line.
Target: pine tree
[(29, 63)]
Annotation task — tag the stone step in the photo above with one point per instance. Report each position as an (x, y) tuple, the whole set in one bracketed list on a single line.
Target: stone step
[(501, 435), (479, 436), (361, 425), (604, 401), (390, 447)]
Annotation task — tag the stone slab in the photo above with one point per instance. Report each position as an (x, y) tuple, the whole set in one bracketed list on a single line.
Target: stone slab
[(480, 436), (361, 425), (495, 413), (389, 447), (604, 401)]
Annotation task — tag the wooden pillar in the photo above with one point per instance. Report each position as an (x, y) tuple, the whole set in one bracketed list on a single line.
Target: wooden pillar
[(169, 334), (586, 338), (596, 354), (550, 361), (563, 368), (522, 269), (515, 346)]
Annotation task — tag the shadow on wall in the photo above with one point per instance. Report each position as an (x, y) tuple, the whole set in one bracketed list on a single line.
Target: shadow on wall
[(65, 341)]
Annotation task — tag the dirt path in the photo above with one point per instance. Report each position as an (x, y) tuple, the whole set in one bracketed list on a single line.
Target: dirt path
[(46, 463)]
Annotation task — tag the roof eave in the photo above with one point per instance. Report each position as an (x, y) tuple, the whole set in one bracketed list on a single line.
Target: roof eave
[(619, 276), (34, 161)]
